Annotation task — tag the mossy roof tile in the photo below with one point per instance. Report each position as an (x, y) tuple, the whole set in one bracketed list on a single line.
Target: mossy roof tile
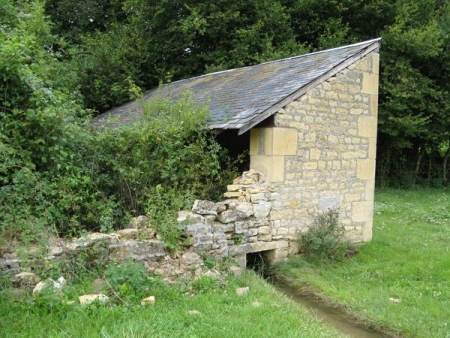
[(240, 98)]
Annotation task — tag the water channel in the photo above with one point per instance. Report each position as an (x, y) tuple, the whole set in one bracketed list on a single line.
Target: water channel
[(327, 314)]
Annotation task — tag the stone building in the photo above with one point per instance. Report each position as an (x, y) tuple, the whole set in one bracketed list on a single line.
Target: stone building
[(310, 125)]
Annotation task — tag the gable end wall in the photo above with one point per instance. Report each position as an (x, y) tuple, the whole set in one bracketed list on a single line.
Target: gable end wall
[(321, 153)]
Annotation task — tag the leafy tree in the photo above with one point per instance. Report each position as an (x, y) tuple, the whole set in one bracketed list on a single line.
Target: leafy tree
[(412, 101), (121, 45), (74, 19), (110, 67), (40, 118)]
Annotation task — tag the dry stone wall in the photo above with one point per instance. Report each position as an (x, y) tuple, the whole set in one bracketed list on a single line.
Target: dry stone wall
[(239, 225), (228, 229)]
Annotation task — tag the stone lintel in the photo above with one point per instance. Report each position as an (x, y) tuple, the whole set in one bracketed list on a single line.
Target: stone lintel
[(265, 246)]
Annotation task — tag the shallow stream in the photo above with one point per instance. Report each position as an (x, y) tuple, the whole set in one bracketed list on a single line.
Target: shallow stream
[(328, 314)]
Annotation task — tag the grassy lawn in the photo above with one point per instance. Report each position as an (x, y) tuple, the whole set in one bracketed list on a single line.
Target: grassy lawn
[(400, 280), (263, 312)]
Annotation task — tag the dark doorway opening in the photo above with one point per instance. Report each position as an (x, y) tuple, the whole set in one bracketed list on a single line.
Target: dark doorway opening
[(238, 147), (259, 262)]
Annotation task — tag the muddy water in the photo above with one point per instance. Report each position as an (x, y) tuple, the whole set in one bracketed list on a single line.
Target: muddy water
[(327, 314)]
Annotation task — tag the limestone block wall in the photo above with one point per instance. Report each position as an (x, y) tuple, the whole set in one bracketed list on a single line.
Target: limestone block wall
[(238, 225), (321, 152)]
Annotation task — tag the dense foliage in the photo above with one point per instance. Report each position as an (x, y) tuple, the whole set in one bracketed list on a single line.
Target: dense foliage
[(325, 238), (57, 171)]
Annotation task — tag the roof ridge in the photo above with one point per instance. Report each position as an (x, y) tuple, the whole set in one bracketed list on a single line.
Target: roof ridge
[(368, 42)]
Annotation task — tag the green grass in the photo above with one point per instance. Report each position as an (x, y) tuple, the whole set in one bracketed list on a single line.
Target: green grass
[(262, 313), (400, 280)]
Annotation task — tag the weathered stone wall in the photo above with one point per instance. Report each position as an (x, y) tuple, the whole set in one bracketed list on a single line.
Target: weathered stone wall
[(228, 229), (321, 153), (239, 225)]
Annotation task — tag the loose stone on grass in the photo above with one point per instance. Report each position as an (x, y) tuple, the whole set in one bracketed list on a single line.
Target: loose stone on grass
[(148, 301), (194, 312), (242, 291), (90, 298), (25, 279)]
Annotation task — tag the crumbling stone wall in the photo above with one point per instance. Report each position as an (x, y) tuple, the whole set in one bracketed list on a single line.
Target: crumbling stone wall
[(239, 225), (321, 152), (228, 229)]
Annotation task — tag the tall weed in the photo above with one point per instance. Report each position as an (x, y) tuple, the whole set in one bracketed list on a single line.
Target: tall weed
[(325, 238)]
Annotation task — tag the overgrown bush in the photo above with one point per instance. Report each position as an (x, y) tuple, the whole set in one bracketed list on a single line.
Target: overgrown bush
[(161, 163), (156, 167), (59, 175), (325, 238)]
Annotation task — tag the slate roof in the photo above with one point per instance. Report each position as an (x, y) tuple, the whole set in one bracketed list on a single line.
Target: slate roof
[(243, 97)]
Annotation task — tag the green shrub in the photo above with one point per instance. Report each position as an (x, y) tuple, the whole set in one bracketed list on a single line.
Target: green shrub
[(324, 239), (102, 178), (129, 281)]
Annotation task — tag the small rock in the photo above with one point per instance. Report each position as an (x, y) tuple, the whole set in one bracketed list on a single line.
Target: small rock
[(395, 300), (191, 259), (246, 208), (256, 303), (41, 286), (212, 273), (232, 194), (233, 187), (221, 207), (204, 207), (25, 279), (235, 270), (148, 301), (56, 251), (262, 209), (194, 312), (242, 291), (60, 283), (139, 222), (89, 299), (231, 215), (50, 283)]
